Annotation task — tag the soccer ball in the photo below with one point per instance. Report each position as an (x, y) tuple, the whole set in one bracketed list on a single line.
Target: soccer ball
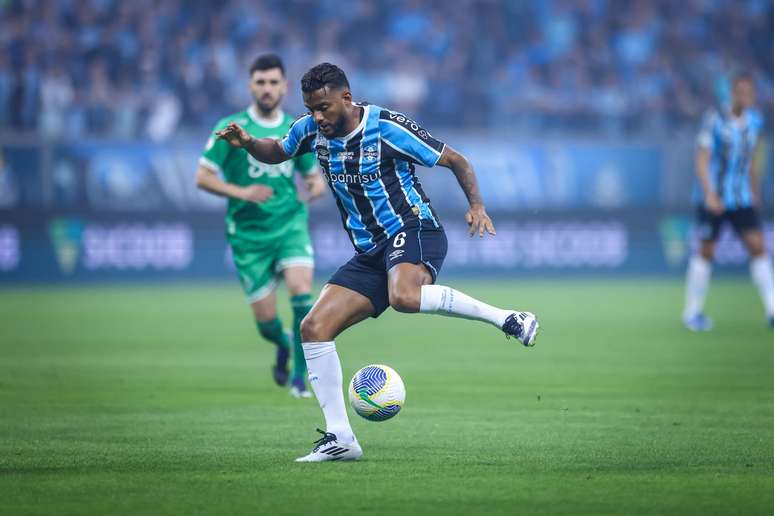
[(376, 392)]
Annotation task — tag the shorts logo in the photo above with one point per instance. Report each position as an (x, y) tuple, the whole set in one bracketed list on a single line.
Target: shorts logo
[(396, 254), (370, 153)]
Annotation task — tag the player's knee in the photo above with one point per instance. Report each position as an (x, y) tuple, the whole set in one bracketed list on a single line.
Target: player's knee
[(405, 299), (313, 329), (757, 250), (707, 251), (755, 246), (299, 288), (264, 312)]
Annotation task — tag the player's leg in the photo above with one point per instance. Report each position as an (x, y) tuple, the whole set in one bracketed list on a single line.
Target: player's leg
[(256, 274), (296, 262), (270, 328), (336, 309), (356, 291), (748, 226), (299, 282), (414, 257), (699, 271)]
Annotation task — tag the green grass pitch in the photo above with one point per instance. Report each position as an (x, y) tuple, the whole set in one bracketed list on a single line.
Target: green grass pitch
[(158, 400)]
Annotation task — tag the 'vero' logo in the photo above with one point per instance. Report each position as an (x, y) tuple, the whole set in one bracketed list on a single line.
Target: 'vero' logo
[(405, 121)]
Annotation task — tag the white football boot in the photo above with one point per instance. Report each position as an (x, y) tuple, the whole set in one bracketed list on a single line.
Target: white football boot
[(522, 325), (328, 447)]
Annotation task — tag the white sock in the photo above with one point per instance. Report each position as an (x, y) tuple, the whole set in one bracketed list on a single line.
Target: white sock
[(324, 367), (763, 277), (438, 299), (696, 285)]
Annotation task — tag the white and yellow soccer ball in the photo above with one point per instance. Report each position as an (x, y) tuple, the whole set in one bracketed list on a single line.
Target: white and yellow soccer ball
[(376, 392)]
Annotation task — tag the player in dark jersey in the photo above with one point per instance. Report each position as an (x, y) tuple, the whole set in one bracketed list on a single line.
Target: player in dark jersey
[(367, 154), (728, 191)]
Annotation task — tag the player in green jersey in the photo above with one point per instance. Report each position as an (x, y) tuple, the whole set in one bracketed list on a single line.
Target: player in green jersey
[(266, 223)]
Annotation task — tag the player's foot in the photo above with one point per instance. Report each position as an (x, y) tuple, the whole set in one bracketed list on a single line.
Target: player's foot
[(523, 326), (328, 447), (280, 371), (771, 321), (698, 322), (298, 389)]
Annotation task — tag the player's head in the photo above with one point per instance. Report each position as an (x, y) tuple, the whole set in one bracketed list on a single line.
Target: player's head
[(743, 91), (327, 96), (267, 82)]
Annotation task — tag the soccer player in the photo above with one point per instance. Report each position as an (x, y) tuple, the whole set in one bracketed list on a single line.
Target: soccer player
[(266, 224), (727, 170), (367, 154)]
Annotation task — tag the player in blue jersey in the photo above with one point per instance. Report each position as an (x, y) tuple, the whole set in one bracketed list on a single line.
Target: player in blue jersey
[(727, 169), (367, 154)]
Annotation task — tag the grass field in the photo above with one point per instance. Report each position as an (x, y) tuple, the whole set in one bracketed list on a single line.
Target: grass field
[(158, 400)]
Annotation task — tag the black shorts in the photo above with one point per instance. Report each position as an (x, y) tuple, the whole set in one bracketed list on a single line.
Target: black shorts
[(741, 219), (366, 273)]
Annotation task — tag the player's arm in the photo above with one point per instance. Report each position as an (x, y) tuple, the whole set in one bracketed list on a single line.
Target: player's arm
[(415, 144), (711, 198), (755, 173), (476, 217), (265, 150), (712, 201), (208, 180)]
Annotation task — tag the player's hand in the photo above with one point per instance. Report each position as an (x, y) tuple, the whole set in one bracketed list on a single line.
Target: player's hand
[(315, 185), (478, 221), (256, 193), (713, 203), (234, 135)]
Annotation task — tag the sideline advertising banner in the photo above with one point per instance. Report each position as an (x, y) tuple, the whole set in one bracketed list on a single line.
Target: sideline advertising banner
[(45, 247)]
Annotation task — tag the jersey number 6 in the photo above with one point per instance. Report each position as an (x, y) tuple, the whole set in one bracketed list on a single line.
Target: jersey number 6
[(400, 239)]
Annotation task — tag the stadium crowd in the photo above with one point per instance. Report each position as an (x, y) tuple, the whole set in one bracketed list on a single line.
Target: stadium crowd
[(157, 68)]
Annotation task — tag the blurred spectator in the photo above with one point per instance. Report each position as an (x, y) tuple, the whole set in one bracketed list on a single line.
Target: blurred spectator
[(56, 97), (9, 190), (7, 87), (155, 69)]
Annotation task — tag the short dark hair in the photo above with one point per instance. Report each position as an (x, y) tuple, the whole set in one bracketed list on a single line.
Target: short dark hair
[(743, 75), (267, 62), (322, 75)]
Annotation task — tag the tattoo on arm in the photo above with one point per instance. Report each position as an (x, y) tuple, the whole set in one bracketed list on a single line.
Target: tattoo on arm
[(464, 173)]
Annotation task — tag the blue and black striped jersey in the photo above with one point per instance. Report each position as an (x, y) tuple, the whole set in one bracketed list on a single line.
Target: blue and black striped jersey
[(371, 172), (731, 141)]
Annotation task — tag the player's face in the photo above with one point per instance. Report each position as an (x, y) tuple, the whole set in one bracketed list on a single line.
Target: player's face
[(329, 109), (744, 93), (268, 88)]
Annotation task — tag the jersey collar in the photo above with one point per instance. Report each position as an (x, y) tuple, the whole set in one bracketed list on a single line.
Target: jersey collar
[(252, 112), (361, 125)]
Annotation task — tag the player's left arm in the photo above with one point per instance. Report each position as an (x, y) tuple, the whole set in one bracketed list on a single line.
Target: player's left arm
[(415, 144), (755, 173), (476, 217)]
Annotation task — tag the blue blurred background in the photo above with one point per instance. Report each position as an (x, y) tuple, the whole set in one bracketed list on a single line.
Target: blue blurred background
[(579, 115)]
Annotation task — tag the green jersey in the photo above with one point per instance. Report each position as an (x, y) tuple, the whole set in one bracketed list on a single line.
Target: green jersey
[(269, 219)]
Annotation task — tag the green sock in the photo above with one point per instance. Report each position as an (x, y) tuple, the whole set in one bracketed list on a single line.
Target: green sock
[(301, 304), (272, 331)]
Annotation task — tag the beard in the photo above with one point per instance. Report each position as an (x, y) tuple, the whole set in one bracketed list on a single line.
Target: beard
[(266, 104)]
